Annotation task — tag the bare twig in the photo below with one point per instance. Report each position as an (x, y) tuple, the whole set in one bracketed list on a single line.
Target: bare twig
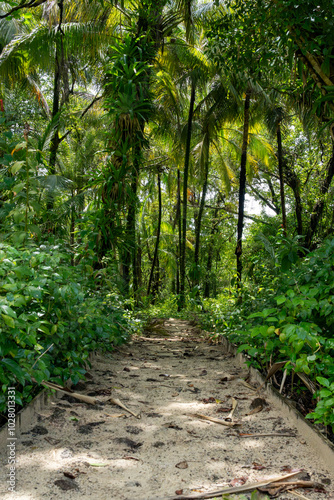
[(283, 381), (39, 357), (81, 397), (269, 434), (231, 491), (120, 404), (215, 420)]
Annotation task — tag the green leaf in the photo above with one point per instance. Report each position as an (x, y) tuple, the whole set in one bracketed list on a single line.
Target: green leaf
[(323, 381), (8, 320), (280, 300), (15, 369), (16, 167), (8, 311)]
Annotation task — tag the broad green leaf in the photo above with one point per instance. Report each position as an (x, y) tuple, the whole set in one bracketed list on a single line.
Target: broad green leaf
[(323, 381), (19, 146), (8, 320), (15, 369), (280, 300), (8, 311), (16, 167)]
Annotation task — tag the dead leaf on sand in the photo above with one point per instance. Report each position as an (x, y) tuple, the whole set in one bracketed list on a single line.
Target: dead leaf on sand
[(182, 465), (238, 481), (257, 466)]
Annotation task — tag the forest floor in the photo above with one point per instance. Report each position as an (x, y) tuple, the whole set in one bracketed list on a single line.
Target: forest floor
[(168, 377)]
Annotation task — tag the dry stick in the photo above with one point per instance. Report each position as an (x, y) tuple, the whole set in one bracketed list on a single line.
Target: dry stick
[(248, 385), (39, 357), (234, 405), (299, 495), (283, 381), (118, 403), (81, 397), (230, 491), (297, 484), (265, 435), (214, 420)]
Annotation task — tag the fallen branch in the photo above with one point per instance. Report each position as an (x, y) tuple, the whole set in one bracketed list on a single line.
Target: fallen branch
[(269, 434), (214, 420), (243, 382), (298, 495), (119, 403), (234, 405), (81, 397), (231, 491)]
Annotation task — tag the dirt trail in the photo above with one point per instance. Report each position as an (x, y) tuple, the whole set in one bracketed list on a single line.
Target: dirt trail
[(75, 450)]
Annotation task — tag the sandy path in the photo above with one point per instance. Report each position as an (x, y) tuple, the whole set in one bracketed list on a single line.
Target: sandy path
[(166, 377)]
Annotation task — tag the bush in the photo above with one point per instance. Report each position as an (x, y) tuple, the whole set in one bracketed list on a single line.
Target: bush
[(291, 320), (51, 317)]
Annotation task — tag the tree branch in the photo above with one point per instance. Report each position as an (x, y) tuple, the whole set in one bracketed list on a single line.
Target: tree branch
[(82, 115), (267, 202), (32, 4)]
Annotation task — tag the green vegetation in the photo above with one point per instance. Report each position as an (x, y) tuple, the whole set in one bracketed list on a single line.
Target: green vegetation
[(53, 316), (135, 138)]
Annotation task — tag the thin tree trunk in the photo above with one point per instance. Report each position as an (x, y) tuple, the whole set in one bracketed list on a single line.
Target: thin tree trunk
[(156, 280), (242, 188), (72, 230), (185, 198), (281, 176), (139, 263), (155, 257), (129, 256), (178, 249), (55, 141), (319, 206), (207, 286), (179, 225), (199, 218)]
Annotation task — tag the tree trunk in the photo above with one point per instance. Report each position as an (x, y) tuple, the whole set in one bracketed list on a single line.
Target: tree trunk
[(185, 198), (292, 180), (318, 207), (179, 225), (281, 176), (129, 255), (242, 187), (207, 286), (155, 257), (199, 218)]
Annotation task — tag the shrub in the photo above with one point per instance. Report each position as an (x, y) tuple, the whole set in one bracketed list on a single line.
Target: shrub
[(51, 317)]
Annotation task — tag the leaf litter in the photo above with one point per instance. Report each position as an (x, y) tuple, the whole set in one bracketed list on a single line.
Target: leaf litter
[(182, 452)]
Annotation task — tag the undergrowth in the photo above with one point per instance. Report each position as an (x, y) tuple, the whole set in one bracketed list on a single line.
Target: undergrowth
[(289, 319), (52, 316)]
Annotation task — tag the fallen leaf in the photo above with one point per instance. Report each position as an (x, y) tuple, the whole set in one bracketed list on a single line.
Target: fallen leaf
[(289, 469), (182, 465), (209, 400), (97, 465), (239, 481), (70, 475), (257, 466), (179, 492)]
